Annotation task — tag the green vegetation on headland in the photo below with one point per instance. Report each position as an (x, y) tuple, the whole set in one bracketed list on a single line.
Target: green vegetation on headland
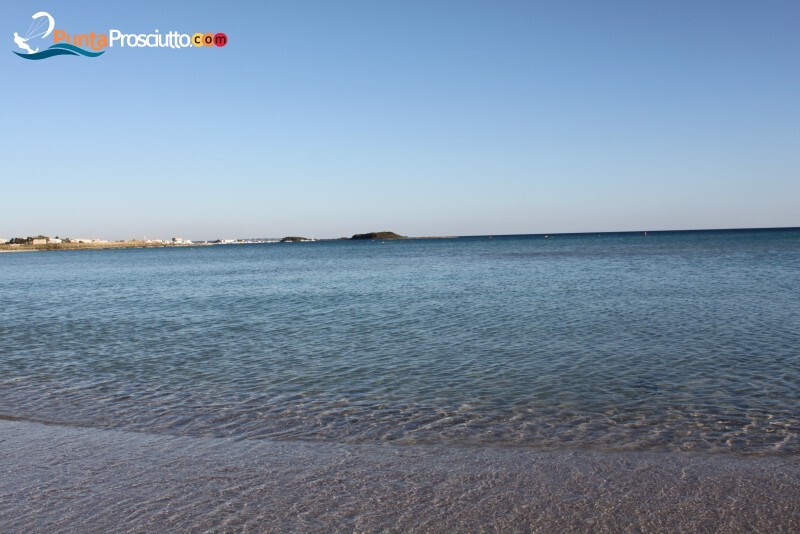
[(379, 235), (295, 239)]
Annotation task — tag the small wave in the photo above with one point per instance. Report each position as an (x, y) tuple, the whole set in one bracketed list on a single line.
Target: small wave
[(60, 49)]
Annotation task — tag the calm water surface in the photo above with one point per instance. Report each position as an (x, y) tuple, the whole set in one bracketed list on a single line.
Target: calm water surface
[(673, 341)]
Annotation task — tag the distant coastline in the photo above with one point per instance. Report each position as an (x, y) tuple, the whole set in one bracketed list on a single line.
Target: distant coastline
[(371, 236), (91, 246), (31, 244)]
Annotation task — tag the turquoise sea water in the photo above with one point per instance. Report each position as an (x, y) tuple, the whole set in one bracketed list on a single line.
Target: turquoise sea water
[(670, 341)]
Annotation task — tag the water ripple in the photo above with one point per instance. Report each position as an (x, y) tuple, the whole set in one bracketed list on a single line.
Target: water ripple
[(674, 342)]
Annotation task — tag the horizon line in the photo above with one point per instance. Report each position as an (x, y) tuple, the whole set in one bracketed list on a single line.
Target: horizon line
[(452, 236)]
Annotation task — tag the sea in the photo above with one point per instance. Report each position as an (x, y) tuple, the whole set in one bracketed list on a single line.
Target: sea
[(600, 381)]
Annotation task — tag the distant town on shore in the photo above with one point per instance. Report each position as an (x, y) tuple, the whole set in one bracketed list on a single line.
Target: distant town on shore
[(42, 242)]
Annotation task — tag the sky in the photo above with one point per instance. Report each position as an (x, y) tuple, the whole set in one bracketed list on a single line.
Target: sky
[(325, 119)]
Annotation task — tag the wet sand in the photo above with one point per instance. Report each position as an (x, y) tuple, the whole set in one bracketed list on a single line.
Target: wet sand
[(71, 479)]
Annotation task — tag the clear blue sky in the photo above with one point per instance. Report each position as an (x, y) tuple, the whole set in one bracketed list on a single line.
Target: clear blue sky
[(424, 117)]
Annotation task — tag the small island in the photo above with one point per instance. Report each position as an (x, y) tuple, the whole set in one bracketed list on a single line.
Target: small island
[(295, 239), (379, 235)]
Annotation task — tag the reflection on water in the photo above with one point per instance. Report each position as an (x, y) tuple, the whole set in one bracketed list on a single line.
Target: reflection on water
[(681, 341)]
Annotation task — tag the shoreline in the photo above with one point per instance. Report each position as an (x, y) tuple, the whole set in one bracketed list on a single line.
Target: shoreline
[(96, 246), (66, 478)]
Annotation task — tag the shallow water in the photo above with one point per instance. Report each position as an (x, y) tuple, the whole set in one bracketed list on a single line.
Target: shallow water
[(673, 341), (60, 479)]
